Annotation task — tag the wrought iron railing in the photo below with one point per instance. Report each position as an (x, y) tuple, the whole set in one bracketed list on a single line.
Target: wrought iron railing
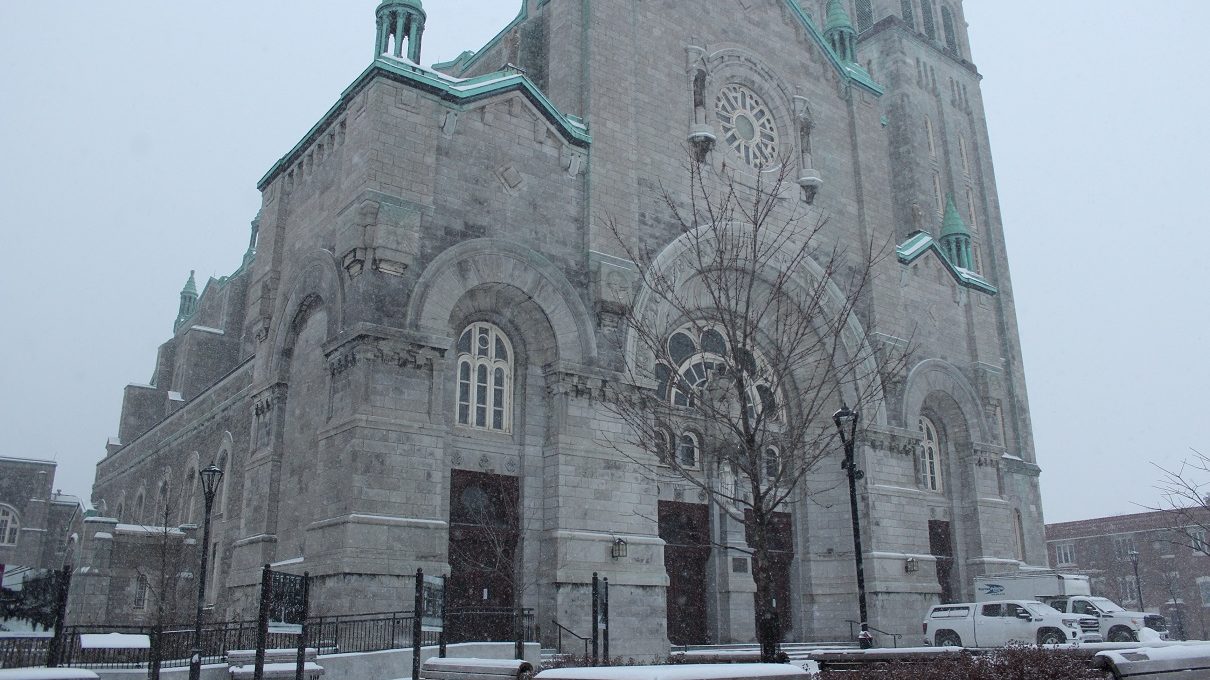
[(372, 632)]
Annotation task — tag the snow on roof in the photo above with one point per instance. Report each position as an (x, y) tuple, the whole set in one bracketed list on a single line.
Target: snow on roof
[(175, 396), (418, 67), (140, 529), (678, 672), (292, 560), (208, 329)]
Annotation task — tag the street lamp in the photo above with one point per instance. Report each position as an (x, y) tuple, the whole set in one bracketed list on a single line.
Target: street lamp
[(846, 423), (210, 479), (1138, 585)]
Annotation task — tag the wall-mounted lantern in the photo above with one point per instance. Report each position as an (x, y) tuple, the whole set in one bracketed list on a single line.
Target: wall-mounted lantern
[(618, 549)]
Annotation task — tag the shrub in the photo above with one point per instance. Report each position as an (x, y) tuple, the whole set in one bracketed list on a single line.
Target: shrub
[(1017, 662)]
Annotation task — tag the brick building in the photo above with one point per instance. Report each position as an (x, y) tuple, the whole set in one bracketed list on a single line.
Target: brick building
[(441, 223), (1173, 564)]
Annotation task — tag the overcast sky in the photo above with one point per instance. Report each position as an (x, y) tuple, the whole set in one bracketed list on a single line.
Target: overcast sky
[(134, 132)]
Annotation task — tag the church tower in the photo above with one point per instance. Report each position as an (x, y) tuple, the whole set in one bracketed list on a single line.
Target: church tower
[(399, 21)]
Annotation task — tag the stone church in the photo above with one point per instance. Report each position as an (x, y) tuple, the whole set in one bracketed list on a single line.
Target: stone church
[(410, 361)]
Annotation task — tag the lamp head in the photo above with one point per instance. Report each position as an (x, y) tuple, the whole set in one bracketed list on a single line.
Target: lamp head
[(210, 478)]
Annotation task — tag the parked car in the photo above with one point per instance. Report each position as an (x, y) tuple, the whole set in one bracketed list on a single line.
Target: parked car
[(995, 624)]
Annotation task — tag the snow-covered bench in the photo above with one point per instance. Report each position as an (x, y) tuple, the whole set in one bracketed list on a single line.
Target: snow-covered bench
[(279, 663), (732, 671), (475, 669)]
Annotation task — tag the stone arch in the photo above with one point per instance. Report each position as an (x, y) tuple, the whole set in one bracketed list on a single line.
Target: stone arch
[(318, 283), (675, 263), (487, 263), (933, 376)]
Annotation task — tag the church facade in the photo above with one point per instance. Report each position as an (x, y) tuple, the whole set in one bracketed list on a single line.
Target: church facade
[(408, 368)]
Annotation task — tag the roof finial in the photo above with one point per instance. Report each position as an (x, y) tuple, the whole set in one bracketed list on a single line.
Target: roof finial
[(188, 302)]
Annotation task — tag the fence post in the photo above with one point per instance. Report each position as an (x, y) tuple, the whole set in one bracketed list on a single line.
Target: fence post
[(596, 630), (605, 618), (445, 599), (417, 610), (54, 655), (301, 662), (262, 621)]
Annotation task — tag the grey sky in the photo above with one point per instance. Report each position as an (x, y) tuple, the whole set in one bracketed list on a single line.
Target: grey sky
[(134, 133)]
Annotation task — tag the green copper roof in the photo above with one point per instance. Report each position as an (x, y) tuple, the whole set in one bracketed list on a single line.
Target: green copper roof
[(460, 92), (410, 3), (190, 286), (922, 242), (837, 18), (952, 224)]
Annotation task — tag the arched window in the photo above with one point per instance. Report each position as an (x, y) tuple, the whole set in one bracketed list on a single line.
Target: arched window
[(140, 506), (930, 456), (686, 451), (191, 482), (220, 496), (938, 198), (865, 15), (947, 26), (909, 12), (10, 525), (702, 355), (162, 511), (966, 162), (485, 378), (930, 26), (928, 128), (772, 463)]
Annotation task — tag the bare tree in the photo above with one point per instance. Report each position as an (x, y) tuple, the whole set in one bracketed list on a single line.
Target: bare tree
[(744, 335), (159, 579), (1185, 497)]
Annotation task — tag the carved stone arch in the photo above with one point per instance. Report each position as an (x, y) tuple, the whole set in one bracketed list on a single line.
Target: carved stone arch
[(933, 376), (675, 263), (491, 262), (119, 508), (318, 283)]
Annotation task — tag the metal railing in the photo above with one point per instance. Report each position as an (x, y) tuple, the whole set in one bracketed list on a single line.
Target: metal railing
[(894, 636), (371, 632), (564, 629)]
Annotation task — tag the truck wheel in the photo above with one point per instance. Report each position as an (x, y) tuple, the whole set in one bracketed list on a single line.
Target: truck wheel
[(1122, 634), (948, 638), (1051, 636)]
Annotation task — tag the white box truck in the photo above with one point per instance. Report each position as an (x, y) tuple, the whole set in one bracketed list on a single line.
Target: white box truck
[(1070, 593)]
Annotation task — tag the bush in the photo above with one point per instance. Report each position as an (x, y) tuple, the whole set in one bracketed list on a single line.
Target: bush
[(1018, 662)]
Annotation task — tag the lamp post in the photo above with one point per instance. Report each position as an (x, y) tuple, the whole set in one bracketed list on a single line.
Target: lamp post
[(846, 423), (1138, 585), (210, 479)]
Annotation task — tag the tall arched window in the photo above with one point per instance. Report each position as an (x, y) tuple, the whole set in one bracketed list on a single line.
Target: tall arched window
[(966, 161), (947, 27), (930, 456), (928, 128), (485, 378), (909, 12), (686, 450), (865, 15), (930, 26), (10, 525), (938, 198)]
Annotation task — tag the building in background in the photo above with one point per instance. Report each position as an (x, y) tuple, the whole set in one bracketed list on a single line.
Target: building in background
[(407, 369), (39, 527), (1173, 564)]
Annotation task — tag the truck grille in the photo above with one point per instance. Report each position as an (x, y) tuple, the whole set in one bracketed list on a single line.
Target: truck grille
[(1090, 626)]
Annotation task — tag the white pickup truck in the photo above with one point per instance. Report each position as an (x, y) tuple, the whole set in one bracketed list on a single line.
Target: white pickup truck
[(1070, 593), (995, 624)]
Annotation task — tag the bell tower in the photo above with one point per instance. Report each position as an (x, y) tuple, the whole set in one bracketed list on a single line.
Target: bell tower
[(400, 20)]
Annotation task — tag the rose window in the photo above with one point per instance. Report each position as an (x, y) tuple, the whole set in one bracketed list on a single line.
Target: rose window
[(748, 125)]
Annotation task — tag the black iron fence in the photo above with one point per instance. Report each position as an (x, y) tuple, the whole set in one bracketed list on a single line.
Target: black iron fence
[(329, 634)]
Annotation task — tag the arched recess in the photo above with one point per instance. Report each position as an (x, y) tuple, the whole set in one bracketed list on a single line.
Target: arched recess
[(487, 263), (223, 460), (675, 263), (933, 376), (317, 284), (191, 490)]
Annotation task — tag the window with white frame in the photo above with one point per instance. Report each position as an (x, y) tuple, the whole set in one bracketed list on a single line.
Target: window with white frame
[(1123, 546), (687, 451), (485, 377), (1197, 541), (140, 593), (10, 525), (1203, 588), (1065, 554), (930, 456)]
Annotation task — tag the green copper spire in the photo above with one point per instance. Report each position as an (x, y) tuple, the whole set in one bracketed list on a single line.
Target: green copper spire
[(955, 238), (399, 21), (952, 223), (188, 302), (838, 31)]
